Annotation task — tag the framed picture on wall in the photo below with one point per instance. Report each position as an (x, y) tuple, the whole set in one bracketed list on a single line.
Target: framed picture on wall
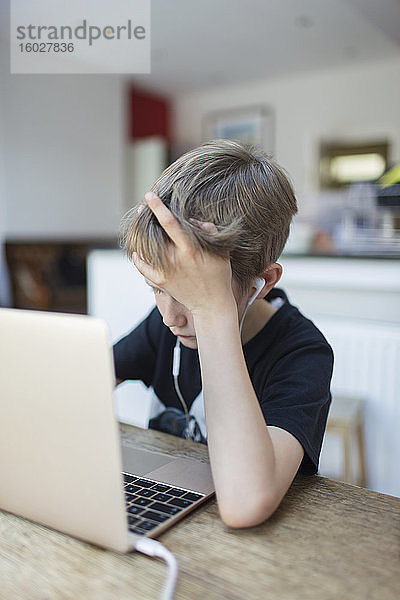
[(252, 125)]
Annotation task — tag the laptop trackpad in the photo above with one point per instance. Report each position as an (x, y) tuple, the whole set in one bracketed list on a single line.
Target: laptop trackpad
[(141, 462)]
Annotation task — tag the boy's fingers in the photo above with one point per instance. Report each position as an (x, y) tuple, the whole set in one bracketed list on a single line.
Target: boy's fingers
[(166, 219), (144, 268), (206, 225)]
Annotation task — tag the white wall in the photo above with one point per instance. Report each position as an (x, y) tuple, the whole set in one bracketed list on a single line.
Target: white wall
[(63, 144), (5, 299), (355, 103), (4, 283), (64, 155)]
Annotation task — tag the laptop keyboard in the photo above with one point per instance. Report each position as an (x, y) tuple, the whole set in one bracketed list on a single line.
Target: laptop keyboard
[(150, 503)]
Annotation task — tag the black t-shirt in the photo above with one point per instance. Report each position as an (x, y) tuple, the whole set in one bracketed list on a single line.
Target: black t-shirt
[(289, 362)]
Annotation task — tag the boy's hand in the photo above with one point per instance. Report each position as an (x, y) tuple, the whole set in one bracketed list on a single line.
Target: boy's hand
[(200, 281)]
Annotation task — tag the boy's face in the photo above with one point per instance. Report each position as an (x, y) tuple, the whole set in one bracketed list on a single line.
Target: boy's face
[(179, 319)]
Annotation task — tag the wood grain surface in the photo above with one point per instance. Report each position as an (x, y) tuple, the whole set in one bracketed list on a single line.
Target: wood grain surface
[(328, 540)]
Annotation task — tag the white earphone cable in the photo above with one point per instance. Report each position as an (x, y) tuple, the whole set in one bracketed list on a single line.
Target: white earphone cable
[(242, 319), (153, 548), (175, 373)]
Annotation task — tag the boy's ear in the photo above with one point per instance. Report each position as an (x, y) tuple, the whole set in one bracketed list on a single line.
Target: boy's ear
[(272, 275)]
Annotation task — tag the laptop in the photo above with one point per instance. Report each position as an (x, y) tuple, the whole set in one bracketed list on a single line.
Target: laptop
[(62, 462)]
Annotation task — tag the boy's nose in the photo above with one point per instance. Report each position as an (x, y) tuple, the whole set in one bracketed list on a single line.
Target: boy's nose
[(173, 315)]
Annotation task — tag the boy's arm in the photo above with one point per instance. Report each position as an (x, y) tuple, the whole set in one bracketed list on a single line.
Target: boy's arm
[(252, 465), (133, 354)]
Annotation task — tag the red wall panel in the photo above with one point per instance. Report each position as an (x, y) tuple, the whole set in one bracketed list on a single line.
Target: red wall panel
[(149, 115)]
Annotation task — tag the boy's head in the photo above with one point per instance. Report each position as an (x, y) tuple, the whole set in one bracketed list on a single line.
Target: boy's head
[(239, 189)]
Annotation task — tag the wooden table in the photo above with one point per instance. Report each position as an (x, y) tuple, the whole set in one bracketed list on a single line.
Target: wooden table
[(328, 540)]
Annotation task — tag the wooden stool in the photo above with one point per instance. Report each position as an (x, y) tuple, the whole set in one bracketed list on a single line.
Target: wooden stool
[(346, 419)]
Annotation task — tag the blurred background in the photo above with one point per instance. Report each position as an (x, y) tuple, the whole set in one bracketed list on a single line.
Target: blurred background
[(314, 82)]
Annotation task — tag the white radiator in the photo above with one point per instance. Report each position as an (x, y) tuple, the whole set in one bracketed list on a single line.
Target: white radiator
[(367, 364)]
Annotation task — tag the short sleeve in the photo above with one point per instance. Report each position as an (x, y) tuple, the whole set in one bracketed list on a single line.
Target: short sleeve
[(135, 353), (296, 398)]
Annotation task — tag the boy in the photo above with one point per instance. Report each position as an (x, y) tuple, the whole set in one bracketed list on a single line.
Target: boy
[(207, 241)]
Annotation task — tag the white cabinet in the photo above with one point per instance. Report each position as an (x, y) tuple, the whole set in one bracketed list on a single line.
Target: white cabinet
[(356, 304)]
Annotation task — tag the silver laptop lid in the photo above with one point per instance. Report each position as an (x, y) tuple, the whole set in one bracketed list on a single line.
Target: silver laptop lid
[(60, 458)]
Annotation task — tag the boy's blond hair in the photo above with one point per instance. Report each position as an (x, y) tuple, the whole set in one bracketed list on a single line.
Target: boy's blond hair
[(238, 188)]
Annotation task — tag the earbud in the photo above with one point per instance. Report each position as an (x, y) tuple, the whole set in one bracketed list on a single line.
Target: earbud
[(258, 284)]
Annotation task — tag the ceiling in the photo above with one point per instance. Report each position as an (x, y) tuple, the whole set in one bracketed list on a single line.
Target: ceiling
[(208, 43)]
